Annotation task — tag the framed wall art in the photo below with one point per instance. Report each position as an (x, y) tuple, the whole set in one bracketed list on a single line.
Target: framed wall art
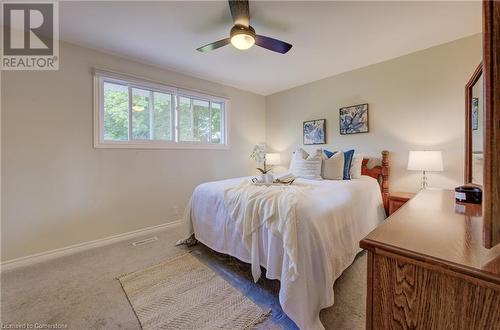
[(354, 119), (314, 132)]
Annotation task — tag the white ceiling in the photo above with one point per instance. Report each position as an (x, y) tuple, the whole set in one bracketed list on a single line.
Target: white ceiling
[(328, 37)]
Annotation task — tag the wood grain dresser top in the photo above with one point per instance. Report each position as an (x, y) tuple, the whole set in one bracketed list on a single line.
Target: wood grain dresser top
[(428, 229)]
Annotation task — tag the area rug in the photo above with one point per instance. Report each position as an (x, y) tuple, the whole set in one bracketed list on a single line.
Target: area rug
[(183, 293)]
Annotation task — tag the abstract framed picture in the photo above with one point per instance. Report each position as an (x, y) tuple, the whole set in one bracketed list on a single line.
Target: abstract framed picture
[(314, 132), (475, 115), (354, 119)]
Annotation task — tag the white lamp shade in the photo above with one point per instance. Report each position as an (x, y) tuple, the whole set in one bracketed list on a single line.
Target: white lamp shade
[(273, 159), (425, 161)]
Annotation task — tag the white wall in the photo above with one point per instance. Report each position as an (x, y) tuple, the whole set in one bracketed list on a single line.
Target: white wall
[(57, 190), (415, 102)]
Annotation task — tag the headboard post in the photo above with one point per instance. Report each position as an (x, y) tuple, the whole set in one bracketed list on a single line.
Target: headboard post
[(385, 180), (381, 173)]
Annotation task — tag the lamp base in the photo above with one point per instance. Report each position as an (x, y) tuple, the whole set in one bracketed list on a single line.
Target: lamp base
[(424, 180)]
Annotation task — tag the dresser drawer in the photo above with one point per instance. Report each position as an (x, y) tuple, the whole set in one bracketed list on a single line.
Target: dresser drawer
[(408, 294)]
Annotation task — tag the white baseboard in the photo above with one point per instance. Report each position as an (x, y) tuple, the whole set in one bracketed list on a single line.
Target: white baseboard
[(53, 254)]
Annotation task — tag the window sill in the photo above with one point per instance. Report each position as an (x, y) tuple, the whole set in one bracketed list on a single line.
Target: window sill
[(146, 145)]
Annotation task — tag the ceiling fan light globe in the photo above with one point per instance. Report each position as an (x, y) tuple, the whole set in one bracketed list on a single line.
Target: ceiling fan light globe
[(242, 41)]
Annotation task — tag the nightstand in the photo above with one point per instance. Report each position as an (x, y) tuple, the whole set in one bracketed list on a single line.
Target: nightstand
[(396, 200)]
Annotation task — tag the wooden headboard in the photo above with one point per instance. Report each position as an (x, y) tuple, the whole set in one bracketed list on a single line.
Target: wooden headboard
[(381, 173)]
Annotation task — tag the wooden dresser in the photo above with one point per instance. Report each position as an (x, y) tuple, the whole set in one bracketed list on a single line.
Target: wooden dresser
[(427, 269)]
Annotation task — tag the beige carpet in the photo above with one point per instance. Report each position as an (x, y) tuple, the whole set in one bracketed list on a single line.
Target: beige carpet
[(183, 293), (81, 290)]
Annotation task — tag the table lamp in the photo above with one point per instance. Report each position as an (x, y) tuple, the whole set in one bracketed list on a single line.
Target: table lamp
[(425, 161), (272, 159)]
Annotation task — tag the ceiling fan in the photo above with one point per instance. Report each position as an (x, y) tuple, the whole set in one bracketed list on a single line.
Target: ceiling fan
[(242, 35)]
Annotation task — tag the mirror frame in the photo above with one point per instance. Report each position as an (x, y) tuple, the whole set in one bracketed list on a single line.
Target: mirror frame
[(468, 120), (491, 70)]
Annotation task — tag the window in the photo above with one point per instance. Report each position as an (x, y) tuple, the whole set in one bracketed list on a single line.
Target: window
[(131, 113)]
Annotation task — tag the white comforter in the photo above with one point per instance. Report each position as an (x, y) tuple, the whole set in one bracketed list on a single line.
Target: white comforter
[(251, 206), (332, 217)]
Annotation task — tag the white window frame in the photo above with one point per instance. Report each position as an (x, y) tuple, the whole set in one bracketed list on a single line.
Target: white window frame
[(101, 76)]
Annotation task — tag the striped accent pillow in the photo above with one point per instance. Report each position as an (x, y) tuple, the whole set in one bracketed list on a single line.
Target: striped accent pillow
[(307, 168)]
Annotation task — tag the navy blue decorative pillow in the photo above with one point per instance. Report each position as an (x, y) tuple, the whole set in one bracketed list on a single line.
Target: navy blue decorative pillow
[(328, 153), (347, 161)]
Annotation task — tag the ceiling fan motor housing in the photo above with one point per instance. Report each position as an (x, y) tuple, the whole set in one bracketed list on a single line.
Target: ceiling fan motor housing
[(241, 29), (242, 37)]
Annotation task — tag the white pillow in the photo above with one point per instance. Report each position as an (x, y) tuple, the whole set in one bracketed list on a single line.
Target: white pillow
[(357, 161), (333, 167), (298, 154), (307, 168)]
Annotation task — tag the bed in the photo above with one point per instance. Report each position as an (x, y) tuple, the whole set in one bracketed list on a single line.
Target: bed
[(332, 217)]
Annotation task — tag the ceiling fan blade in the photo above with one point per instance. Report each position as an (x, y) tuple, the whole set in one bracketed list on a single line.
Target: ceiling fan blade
[(272, 44), (240, 12), (214, 45)]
